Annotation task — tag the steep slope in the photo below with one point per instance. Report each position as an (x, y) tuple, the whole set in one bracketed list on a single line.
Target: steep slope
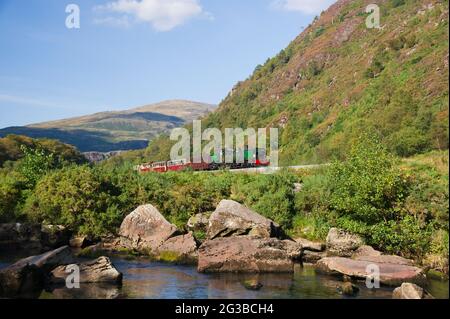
[(339, 79), (124, 130)]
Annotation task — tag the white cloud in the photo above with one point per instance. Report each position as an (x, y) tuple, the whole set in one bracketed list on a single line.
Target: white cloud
[(163, 15), (303, 6)]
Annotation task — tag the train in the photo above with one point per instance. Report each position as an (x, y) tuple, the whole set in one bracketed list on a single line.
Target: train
[(252, 159)]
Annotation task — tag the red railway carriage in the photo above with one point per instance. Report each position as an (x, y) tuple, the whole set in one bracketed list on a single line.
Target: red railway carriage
[(172, 166)]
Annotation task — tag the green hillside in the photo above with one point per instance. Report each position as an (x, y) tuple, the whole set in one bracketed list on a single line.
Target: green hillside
[(111, 131), (339, 79)]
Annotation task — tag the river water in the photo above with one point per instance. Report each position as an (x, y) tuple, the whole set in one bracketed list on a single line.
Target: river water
[(144, 279)]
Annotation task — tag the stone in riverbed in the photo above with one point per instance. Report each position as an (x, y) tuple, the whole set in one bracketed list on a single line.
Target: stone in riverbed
[(341, 243), (348, 289), (252, 284), (233, 219), (80, 242), (100, 270), (410, 291), (28, 274), (179, 249), (146, 229), (390, 274), (245, 254)]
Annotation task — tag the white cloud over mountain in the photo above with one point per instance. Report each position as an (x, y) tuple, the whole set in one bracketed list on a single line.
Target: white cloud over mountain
[(303, 6), (163, 15)]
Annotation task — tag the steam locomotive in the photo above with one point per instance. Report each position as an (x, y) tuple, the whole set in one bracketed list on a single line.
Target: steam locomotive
[(252, 158)]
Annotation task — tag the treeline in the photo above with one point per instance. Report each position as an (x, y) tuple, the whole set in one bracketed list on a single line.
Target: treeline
[(398, 206)]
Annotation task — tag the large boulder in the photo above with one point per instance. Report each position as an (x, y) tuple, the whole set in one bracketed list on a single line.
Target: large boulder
[(28, 274), (179, 249), (146, 229), (410, 291), (341, 243), (246, 254), (233, 219), (100, 270), (390, 274)]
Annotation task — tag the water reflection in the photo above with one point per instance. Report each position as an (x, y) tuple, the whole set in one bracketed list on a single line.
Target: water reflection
[(148, 280)]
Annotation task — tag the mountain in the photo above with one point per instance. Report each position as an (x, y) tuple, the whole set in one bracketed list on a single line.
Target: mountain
[(340, 79), (120, 130)]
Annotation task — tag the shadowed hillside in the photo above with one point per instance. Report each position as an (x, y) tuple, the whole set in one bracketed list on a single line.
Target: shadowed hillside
[(112, 131)]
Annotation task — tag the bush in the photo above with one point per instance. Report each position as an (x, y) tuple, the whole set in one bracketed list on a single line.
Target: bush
[(368, 186), (75, 197)]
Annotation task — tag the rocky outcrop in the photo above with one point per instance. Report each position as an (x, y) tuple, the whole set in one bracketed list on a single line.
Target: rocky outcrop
[(145, 229), (100, 270), (198, 222), (28, 274), (246, 254), (341, 243), (182, 249), (233, 219), (390, 274)]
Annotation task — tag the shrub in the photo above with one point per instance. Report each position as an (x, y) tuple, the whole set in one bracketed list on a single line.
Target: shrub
[(368, 186)]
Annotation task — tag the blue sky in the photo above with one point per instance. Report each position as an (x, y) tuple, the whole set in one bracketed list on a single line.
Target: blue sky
[(129, 53)]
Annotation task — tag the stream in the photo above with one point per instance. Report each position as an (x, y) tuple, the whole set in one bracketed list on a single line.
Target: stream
[(143, 279)]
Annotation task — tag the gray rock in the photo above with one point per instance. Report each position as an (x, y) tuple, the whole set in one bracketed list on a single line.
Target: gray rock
[(100, 270), (180, 249), (341, 243), (390, 274), (233, 219), (408, 291), (27, 275), (145, 229), (245, 254)]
